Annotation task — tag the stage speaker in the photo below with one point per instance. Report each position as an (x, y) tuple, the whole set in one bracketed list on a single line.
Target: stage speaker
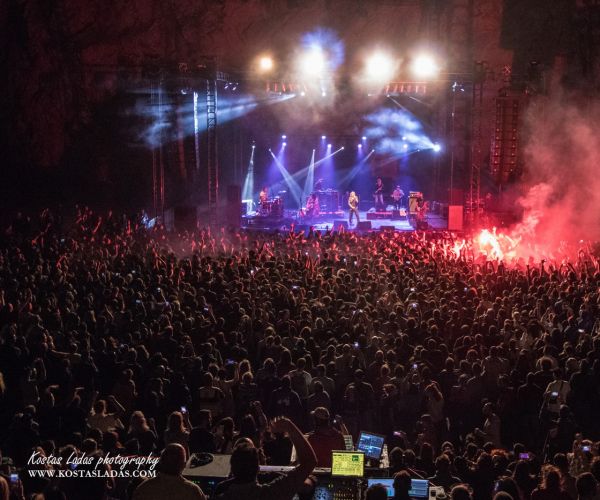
[(455, 218), (184, 217), (233, 211), (338, 223), (387, 228), (364, 225)]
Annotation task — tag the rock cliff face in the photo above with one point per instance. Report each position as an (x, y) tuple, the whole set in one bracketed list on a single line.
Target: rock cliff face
[(62, 61)]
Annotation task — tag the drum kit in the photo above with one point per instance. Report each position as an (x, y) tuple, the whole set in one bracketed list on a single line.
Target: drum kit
[(273, 207)]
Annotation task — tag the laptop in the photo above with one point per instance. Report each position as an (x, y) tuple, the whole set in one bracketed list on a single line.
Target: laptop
[(419, 488), (347, 464), (371, 445)]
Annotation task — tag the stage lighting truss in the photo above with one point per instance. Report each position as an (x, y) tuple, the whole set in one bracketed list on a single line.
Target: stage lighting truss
[(411, 88), (323, 89)]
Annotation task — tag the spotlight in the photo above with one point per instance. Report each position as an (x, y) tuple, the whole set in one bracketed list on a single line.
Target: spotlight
[(284, 144), (265, 64), (437, 148), (284, 136), (328, 146), (253, 146), (303, 93), (424, 66), (359, 146), (235, 86), (405, 146), (312, 63), (342, 147), (379, 67), (323, 94), (323, 137), (364, 137)]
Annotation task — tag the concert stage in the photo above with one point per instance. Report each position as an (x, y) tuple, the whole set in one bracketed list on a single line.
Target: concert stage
[(334, 220)]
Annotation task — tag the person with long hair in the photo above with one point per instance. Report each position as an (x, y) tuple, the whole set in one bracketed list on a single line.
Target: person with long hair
[(551, 486), (402, 484), (178, 430), (141, 430), (353, 205), (225, 436)]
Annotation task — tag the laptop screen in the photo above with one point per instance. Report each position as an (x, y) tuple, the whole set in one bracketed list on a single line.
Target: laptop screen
[(347, 464), (419, 488), (370, 444)]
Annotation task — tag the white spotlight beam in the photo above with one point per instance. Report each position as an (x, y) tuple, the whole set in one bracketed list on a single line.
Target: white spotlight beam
[(289, 180), (248, 191), (379, 67), (425, 66), (310, 178)]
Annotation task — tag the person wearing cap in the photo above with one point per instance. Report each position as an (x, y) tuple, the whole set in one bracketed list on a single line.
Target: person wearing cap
[(324, 439)]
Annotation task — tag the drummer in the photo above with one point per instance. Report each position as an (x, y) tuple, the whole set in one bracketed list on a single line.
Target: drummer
[(263, 196)]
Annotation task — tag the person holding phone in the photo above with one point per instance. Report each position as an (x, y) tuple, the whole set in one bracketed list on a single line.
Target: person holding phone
[(556, 393)]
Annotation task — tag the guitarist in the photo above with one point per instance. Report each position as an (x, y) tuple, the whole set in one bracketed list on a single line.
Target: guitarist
[(378, 195)]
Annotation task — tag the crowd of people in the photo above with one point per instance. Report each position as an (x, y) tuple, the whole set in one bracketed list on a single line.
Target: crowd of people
[(120, 339)]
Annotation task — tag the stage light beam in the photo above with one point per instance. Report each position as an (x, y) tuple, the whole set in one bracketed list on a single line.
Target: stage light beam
[(265, 64), (313, 62), (379, 67), (425, 66)]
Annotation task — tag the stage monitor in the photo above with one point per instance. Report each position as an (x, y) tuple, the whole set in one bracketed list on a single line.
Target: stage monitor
[(347, 464), (419, 488), (370, 444), (388, 482)]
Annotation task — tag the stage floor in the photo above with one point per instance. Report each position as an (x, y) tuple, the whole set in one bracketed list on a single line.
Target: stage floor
[(324, 223)]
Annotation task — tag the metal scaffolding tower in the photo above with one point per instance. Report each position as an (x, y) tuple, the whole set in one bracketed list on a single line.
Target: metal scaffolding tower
[(212, 157), (473, 207)]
